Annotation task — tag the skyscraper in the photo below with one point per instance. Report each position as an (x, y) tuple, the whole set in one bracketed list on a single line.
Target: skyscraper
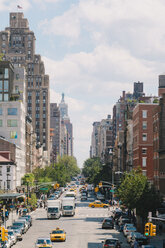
[(66, 122), (17, 43)]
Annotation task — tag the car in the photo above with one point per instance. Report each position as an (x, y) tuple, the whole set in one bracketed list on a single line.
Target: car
[(140, 238), (13, 236), (100, 196), (98, 204), (58, 234), (111, 243), (108, 223), (123, 221), (28, 218), (129, 229), (83, 196), (42, 242), (130, 236)]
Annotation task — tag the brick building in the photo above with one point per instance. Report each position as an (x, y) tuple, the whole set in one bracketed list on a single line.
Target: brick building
[(143, 138)]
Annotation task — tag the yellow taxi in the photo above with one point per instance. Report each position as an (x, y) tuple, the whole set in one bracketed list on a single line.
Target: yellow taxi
[(73, 190), (46, 245), (98, 204), (58, 234)]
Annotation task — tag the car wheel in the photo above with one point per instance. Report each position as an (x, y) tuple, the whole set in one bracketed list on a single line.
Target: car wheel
[(104, 206), (92, 206)]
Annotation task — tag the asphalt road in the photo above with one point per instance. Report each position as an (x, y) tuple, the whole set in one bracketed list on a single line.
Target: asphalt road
[(83, 230)]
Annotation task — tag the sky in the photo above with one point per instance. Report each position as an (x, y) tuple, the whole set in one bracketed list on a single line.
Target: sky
[(93, 50)]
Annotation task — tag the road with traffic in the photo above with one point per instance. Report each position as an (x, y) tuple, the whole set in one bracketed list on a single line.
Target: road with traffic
[(83, 230)]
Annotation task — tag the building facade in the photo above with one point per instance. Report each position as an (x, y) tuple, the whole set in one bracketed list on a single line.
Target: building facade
[(143, 139), (17, 43)]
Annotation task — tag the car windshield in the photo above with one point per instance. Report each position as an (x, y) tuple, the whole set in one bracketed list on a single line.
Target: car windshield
[(110, 242), (10, 233), (52, 210), (67, 207), (43, 241), (18, 223), (131, 228), (57, 231)]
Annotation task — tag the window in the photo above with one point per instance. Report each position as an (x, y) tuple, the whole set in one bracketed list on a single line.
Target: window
[(6, 86), (1, 170), (0, 97), (0, 85), (16, 89), (12, 111), (6, 97), (17, 76), (0, 184), (144, 113), (13, 135), (144, 172), (8, 169), (144, 150), (1, 123), (6, 72), (8, 184), (144, 125), (1, 111), (144, 137), (144, 161), (12, 123)]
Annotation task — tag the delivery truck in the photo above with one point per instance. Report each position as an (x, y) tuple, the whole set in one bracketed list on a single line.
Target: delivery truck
[(53, 209), (68, 206)]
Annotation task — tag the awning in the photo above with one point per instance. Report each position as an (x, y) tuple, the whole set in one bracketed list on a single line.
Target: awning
[(11, 195)]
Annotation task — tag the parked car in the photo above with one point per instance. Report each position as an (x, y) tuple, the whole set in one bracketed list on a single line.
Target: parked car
[(129, 229), (13, 236), (108, 223), (148, 246), (28, 217), (111, 243), (140, 238), (130, 236)]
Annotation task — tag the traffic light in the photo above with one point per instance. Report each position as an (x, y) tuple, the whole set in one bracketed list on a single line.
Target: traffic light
[(147, 229), (0, 233), (4, 233), (153, 230)]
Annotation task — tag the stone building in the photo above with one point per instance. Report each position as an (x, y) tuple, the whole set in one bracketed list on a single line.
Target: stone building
[(17, 43)]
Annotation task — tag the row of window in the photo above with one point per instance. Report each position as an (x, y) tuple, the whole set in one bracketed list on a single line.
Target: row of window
[(10, 123), (10, 111)]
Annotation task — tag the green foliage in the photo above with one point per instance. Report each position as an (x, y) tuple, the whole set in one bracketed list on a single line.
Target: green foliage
[(91, 170), (61, 172), (33, 200), (28, 179), (1, 56), (156, 100), (136, 192)]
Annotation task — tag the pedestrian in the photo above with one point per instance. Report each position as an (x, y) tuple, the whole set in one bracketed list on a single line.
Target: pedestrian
[(20, 212), (17, 208)]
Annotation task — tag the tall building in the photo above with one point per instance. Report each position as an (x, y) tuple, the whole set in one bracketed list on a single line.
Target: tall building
[(143, 138), (12, 111), (65, 120), (55, 125), (17, 43), (138, 90)]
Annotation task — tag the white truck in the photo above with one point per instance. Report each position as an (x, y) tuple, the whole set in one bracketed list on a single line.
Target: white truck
[(53, 209), (68, 206), (70, 194)]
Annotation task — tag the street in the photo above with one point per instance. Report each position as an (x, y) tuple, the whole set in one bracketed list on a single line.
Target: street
[(82, 231)]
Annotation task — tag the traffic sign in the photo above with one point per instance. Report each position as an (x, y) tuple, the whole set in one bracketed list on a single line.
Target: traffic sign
[(43, 188)]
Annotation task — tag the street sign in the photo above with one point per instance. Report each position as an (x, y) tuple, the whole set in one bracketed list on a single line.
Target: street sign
[(43, 188)]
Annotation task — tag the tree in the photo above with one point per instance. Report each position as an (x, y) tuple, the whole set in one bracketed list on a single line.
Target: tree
[(28, 179), (136, 192), (91, 169)]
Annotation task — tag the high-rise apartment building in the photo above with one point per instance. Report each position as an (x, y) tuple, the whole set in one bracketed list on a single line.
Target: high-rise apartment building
[(143, 138), (17, 43)]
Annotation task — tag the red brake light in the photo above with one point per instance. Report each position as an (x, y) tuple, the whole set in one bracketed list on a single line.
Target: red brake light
[(106, 245)]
